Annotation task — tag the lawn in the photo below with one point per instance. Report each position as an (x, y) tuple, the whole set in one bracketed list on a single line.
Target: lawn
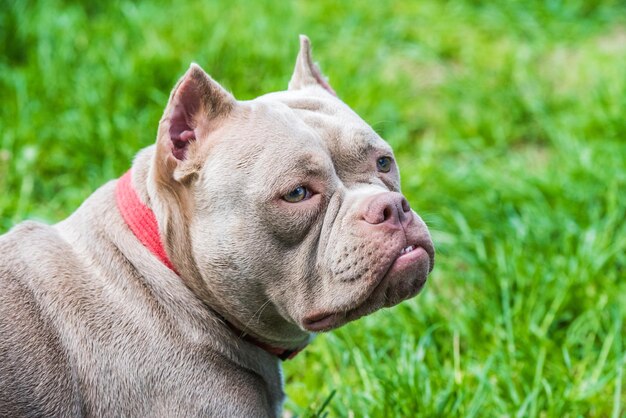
[(508, 120)]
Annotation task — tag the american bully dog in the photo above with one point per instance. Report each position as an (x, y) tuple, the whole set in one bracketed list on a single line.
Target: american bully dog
[(176, 290)]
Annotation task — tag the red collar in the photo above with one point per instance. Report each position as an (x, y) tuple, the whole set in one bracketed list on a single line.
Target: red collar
[(142, 222)]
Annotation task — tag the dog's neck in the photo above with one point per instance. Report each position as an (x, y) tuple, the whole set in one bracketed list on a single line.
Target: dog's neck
[(142, 222)]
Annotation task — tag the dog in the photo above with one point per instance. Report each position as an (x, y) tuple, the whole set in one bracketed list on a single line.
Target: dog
[(177, 289)]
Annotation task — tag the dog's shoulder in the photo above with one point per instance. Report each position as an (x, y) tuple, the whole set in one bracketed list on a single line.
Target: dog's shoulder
[(27, 234), (31, 247)]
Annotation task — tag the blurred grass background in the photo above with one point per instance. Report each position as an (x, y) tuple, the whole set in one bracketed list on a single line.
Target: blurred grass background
[(507, 118)]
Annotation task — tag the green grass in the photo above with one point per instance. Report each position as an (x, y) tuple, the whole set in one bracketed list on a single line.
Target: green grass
[(509, 122)]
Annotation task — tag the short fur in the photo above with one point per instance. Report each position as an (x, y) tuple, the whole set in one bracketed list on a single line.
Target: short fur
[(92, 324)]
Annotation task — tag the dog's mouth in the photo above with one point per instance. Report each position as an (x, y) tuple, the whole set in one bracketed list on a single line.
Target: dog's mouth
[(404, 278)]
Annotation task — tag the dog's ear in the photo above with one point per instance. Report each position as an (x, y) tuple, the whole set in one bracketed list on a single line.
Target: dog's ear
[(307, 73), (197, 106)]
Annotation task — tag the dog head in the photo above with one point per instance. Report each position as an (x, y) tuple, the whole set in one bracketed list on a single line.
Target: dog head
[(284, 213)]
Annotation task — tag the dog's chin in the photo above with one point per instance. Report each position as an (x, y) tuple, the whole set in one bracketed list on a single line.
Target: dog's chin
[(404, 279)]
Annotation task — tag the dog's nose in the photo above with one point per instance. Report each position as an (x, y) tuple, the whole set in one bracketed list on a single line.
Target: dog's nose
[(386, 208)]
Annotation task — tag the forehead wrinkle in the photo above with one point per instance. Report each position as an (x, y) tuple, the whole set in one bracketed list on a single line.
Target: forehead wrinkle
[(360, 151), (307, 165), (354, 150)]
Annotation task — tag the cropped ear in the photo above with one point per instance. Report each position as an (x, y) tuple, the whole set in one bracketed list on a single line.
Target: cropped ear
[(307, 73), (196, 107)]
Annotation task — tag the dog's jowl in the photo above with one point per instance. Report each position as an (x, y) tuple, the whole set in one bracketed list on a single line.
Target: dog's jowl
[(178, 289)]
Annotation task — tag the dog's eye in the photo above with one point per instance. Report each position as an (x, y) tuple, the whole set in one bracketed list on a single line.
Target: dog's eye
[(297, 195), (383, 164)]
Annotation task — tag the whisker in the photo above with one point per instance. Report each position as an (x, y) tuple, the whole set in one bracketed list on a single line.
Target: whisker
[(257, 314)]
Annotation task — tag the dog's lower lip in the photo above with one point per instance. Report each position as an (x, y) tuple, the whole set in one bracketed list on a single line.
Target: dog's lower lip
[(407, 260), (415, 253), (320, 322)]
